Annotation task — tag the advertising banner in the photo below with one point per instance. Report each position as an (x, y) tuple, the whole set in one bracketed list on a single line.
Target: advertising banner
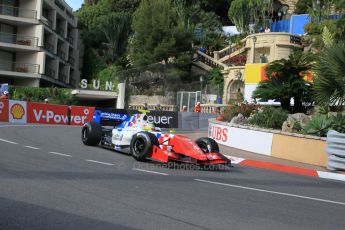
[(17, 112), (47, 114), (111, 117), (4, 110), (163, 119), (81, 114), (246, 139)]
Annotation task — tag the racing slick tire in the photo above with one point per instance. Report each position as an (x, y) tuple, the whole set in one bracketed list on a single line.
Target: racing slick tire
[(91, 133), (142, 144), (207, 145)]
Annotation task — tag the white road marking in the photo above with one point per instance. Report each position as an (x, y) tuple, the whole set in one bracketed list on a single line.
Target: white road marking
[(7, 141), (60, 154), (142, 170), (31, 147), (271, 192), (99, 162)]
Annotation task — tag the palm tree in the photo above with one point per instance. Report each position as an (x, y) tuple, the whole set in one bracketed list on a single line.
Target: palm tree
[(329, 69), (284, 81)]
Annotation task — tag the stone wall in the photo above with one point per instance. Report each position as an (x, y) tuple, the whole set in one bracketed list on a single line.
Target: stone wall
[(151, 100)]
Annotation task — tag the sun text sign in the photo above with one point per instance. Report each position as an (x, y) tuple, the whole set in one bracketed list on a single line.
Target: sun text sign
[(96, 85), (47, 114), (81, 114), (4, 110)]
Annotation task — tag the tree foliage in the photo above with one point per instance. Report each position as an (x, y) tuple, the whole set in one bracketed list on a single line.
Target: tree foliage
[(157, 35), (284, 81), (329, 84)]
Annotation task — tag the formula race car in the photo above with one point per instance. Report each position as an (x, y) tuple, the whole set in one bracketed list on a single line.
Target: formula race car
[(140, 138)]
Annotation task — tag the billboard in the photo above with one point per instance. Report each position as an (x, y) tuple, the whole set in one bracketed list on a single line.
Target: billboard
[(17, 112), (47, 114), (4, 110), (80, 114)]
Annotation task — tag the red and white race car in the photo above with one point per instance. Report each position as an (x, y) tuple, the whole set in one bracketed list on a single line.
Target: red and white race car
[(143, 141)]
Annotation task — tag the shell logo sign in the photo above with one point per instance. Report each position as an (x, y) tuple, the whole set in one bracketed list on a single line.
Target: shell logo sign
[(17, 111)]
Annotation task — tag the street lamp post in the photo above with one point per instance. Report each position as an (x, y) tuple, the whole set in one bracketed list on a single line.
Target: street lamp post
[(239, 79), (201, 80), (254, 41)]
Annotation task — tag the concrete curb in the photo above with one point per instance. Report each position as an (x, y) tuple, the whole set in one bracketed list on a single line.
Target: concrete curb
[(286, 169)]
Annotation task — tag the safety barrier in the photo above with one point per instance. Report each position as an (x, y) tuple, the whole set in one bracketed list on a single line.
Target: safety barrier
[(289, 146), (23, 112), (335, 150)]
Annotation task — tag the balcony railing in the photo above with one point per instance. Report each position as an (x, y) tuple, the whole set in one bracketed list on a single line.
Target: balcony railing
[(47, 21), (19, 67), (71, 60), (61, 54), (63, 78), (70, 39), (60, 31), (17, 12), (49, 47), (18, 39), (50, 72)]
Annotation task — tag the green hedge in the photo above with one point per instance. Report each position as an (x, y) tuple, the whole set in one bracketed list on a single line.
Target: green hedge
[(55, 95)]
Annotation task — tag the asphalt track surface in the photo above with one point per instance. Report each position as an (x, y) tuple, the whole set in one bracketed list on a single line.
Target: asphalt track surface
[(50, 180)]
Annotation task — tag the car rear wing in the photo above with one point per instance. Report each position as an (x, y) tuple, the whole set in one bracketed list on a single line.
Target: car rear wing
[(110, 117)]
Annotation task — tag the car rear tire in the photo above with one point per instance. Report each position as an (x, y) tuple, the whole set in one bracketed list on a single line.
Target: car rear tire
[(91, 133), (142, 144), (207, 145)]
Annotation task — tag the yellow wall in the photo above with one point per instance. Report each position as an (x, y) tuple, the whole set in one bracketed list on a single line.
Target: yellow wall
[(302, 150), (253, 73)]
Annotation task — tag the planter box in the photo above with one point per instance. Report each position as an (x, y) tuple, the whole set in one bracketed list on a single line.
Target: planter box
[(300, 149)]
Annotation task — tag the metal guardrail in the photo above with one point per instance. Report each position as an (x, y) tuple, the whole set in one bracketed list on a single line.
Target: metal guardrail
[(335, 150), (19, 67), (17, 12), (18, 39)]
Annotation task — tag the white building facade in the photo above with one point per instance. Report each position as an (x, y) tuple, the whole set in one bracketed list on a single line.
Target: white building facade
[(39, 44)]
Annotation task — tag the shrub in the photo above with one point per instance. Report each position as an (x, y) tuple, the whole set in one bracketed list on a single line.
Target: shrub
[(55, 95), (234, 109), (318, 125), (269, 117), (338, 123), (312, 28)]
